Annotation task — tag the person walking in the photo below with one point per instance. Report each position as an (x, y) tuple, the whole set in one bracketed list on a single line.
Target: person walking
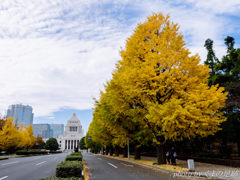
[(168, 156), (174, 155)]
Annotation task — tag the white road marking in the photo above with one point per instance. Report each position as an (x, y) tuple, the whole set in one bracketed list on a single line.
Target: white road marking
[(112, 165), (10, 163), (3, 177), (127, 165), (99, 158), (41, 162)]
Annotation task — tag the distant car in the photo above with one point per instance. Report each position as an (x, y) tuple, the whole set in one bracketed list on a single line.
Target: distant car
[(3, 152)]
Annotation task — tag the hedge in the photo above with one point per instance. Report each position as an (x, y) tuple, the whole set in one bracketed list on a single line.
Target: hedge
[(55, 152), (23, 152), (69, 169), (69, 178), (73, 158), (76, 154)]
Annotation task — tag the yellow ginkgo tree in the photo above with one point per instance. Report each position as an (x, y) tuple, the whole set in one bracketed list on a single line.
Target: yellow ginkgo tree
[(16, 137), (9, 136), (29, 139), (168, 84)]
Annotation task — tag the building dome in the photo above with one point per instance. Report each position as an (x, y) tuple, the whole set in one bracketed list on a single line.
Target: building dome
[(72, 134)]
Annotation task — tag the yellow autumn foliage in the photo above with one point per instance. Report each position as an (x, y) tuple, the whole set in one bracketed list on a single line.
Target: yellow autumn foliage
[(9, 136), (12, 137), (168, 83), (158, 88)]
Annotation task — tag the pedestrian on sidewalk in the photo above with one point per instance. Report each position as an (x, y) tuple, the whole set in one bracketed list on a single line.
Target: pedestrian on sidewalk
[(168, 156), (173, 156)]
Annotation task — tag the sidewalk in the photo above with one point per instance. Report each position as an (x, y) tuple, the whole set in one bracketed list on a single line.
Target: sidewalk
[(210, 170)]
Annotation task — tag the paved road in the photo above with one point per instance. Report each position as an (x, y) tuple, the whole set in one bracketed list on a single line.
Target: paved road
[(30, 168), (104, 168)]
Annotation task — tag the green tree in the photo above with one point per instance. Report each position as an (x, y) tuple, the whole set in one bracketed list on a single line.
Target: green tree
[(228, 75), (52, 144), (211, 60), (82, 144), (94, 145)]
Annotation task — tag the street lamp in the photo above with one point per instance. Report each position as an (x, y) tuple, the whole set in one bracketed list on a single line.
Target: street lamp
[(128, 146)]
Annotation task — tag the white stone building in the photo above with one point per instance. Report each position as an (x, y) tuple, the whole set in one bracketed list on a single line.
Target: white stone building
[(72, 134)]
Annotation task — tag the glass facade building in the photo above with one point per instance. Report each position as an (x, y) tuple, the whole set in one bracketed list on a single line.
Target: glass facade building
[(42, 130), (20, 114), (48, 130), (57, 129)]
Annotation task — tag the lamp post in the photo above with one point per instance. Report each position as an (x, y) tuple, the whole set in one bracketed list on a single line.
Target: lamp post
[(102, 150), (128, 146)]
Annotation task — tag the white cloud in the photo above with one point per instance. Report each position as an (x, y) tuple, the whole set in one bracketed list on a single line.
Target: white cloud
[(57, 54)]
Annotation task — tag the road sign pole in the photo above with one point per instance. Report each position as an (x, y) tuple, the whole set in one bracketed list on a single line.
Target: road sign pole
[(128, 147)]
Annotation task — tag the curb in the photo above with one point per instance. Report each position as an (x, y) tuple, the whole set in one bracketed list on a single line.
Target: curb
[(86, 173), (3, 158)]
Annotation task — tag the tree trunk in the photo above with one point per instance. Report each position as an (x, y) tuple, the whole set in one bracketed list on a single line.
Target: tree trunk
[(116, 150), (193, 146), (161, 155), (238, 145), (106, 152), (137, 151), (125, 153), (111, 151)]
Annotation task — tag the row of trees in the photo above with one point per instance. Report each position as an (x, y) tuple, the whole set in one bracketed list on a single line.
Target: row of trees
[(15, 137), (158, 92), (226, 73)]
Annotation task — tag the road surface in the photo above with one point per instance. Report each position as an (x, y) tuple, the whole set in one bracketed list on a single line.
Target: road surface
[(30, 168), (105, 168)]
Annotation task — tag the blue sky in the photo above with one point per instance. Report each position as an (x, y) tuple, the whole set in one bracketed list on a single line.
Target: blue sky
[(56, 55)]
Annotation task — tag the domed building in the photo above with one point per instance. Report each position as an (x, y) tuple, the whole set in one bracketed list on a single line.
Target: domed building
[(72, 134)]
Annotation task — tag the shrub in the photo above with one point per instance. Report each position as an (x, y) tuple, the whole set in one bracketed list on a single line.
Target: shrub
[(73, 158), (152, 152), (69, 169), (55, 152), (69, 178), (23, 152), (76, 154)]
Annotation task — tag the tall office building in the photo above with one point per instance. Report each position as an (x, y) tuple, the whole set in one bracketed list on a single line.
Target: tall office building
[(42, 130), (48, 130), (20, 113), (57, 129)]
